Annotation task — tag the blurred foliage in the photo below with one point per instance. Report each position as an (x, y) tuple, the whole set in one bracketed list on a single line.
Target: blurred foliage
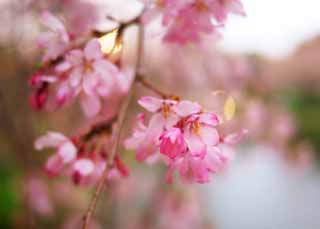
[(8, 195), (306, 106)]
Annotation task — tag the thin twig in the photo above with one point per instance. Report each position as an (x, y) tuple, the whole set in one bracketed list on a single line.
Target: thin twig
[(99, 128), (101, 184), (151, 87)]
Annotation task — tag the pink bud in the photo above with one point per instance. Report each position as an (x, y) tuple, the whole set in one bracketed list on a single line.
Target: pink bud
[(38, 99)]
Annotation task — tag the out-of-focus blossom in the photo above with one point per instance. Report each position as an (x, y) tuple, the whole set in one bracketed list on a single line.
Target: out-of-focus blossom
[(81, 16), (40, 96), (188, 20), (85, 73), (66, 151), (87, 171), (84, 167), (38, 197), (179, 210), (189, 143), (56, 41)]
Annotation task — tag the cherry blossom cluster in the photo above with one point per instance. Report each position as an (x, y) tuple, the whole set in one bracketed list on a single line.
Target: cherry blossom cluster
[(71, 70), (73, 157), (185, 136), (180, 132), (188, 20)]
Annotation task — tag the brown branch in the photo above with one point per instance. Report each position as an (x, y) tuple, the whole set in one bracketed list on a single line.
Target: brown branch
[(151, 87), (99, 128), (101, 184)]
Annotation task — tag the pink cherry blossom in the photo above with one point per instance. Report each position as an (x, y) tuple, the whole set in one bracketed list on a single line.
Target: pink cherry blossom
[(167, 113), (91, 75), (168, 110), (38, 196), (191, 145), (188, 20), (66, 151), (55, 41), (88, 170), (145, 139)]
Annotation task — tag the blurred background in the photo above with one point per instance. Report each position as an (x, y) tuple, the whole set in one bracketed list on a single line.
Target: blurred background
[(268, 62)]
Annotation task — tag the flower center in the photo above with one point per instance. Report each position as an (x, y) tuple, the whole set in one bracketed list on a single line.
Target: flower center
[(165, 110), (88, 66), (196, 127), (201, 6)]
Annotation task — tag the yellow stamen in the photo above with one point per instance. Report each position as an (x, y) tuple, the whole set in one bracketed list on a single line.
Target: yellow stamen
[(166, 110)]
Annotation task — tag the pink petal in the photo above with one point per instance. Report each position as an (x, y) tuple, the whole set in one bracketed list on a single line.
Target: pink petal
[(90, 82), (171, 120), (54, 50), (105, 67), (64, 66), (51, 139), (214, 159), (67, 152), (45, 38), (92, 51), (236, 7), (91, 105), (75, 76), (54, 165), (209, 119), (51, 21), (63, 94), (194, 143), (151, 104), (84, 166), (209, 135), (235, 138), (75, 57), (155, 128), (186, 108)]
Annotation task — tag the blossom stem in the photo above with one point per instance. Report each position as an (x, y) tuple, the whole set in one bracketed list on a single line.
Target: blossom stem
[(151, 87), (121, 118)]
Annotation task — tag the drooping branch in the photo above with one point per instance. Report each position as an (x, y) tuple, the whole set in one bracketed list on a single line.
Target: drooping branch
[(151, 87), (120, 123)]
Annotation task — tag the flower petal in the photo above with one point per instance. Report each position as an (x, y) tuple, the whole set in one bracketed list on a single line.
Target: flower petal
[(91, 105), (51, 139), (75, 57), (54, 165), (209, 119), (92, 51), (84, 166), (235, 138), (209, 135), (151, 104), (75, 76), (194, 143), (51, 21), (186, 108), (67, 152)]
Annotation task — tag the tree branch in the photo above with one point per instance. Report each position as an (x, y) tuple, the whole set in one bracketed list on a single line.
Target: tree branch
[(151, 87), (121, 118)]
